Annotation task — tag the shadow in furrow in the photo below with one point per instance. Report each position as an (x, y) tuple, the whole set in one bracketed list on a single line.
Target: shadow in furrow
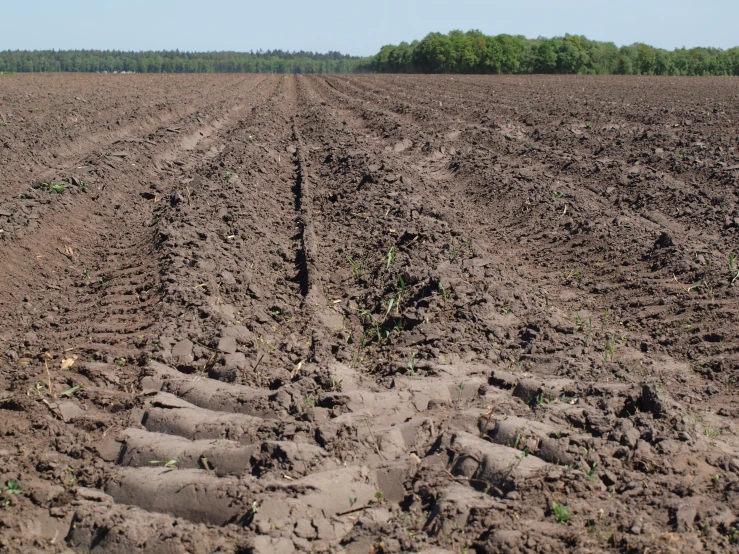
[(301, 258)]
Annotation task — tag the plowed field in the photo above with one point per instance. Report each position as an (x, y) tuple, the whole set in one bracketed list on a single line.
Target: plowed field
[(368, 314)]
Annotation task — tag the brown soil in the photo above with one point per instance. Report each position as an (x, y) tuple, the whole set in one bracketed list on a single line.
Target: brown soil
[(368, 314)]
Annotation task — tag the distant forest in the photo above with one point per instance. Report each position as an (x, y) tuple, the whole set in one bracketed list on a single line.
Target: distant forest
[(474, 52), (455, 52), (272, 61)]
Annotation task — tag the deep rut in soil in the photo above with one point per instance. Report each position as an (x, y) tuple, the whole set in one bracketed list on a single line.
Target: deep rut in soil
[(369, 314)]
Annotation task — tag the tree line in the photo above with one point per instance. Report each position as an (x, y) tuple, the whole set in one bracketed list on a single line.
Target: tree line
[(475, 52), (272, 61), (455, 52)]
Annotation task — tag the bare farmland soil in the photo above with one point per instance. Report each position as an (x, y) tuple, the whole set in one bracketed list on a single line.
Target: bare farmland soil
[(368, 314)]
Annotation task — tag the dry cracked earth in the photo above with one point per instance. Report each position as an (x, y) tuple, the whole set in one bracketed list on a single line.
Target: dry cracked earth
[(368, 314)]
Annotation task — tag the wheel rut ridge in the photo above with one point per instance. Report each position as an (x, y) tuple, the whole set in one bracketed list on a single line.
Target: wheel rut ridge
[(204, 420), (25, 212), (127, 282)]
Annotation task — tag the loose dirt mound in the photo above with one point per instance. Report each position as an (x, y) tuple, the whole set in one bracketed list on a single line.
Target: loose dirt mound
[(368, 314)]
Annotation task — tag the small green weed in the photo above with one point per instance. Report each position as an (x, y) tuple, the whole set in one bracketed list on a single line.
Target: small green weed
[(455, 249), (610, 344), (390, 258), (169, 464), (355, 267), (590, 331), (70, 392), (375, 325), (55, 188), (13, 486), (412, 364), (442, 290), (544, 401), (591, 471), (579, 322), (574, 276), (713, 433), (561, 513)]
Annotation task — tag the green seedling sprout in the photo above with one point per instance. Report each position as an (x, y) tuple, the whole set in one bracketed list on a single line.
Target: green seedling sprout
[(390, 258), (412, 364), (610, 344), (70, 392), (561, 513), (54, 188), (542, 400), (355, 266), (442, 290), (13, 486), (169, 464)]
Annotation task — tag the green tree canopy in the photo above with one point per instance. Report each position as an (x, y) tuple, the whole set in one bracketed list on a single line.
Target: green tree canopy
[(474, 52)]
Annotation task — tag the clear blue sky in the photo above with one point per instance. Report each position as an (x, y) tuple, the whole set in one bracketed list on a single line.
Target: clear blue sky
[(353, 27)]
